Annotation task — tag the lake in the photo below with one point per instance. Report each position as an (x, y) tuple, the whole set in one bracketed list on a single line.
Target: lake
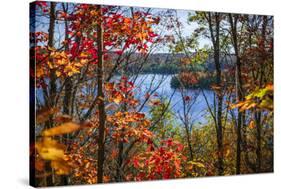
[(198, 110), (144, 82)]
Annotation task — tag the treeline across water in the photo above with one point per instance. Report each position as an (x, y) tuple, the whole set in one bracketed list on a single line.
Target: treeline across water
[(204, 82), (161, 69), (195, 76)]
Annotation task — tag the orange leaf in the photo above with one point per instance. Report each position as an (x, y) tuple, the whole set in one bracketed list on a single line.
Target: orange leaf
[(127, 20), (139, 115), (62, 118), (61, 167), (43, 114), (65, 128), (252, 125), (39, 165), (109, 86), (117, 97), (269, 87)]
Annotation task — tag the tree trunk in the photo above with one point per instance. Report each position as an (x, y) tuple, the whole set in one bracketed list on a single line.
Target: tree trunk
[(67, 93), (239, 91), (214, 28), (101, 108), (119, 177), (189, 142), (258, 136), (68, 80), (51, 100), (219, 95), (53, 86), (119, 170), (258, 114)]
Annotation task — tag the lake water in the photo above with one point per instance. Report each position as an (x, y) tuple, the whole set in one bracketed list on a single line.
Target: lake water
[(198, 110), (147, 82)]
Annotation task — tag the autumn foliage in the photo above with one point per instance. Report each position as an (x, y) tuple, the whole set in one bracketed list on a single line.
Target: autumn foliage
[(96, 121)]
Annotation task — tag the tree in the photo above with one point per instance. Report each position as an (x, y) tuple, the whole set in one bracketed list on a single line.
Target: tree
[(98, 119), (233, 19), (212, 23)]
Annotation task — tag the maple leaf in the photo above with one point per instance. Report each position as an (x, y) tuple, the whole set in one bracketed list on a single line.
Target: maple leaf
[(136, 163), (65, 128), (109, 86), (39, 71), (180, 147), (119, 52), (127, 20), (58, 73), (139, 116), (70, 70), (117, 97)]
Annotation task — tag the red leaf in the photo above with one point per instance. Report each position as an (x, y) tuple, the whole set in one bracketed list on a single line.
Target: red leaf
[(187, 98), (119, 52), (136, 163)]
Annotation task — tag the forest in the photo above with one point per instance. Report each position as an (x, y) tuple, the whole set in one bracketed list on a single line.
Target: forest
[(124, 94)]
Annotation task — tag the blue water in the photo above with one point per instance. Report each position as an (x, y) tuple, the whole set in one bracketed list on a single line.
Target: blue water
[(198, 110), (148, 82)]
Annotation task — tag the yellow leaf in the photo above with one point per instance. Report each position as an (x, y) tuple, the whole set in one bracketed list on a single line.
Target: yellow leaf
[(62, 62), (252, 125), (83, 61), (51, 48), (50, 64), (84, 55), (227, 152), (50, 149), (197, 164), (94, 13), (237, 105), (65, 128), (87, 165), (117, 98), (101, 98), (70, 70), (61, 167), (39, 71), (58, 73)]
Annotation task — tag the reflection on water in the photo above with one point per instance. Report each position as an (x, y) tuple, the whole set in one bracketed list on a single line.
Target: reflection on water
[(160, 85), (147, 82)]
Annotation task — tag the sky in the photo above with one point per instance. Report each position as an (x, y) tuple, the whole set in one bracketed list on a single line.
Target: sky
[(182, 15), (189, 28)]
